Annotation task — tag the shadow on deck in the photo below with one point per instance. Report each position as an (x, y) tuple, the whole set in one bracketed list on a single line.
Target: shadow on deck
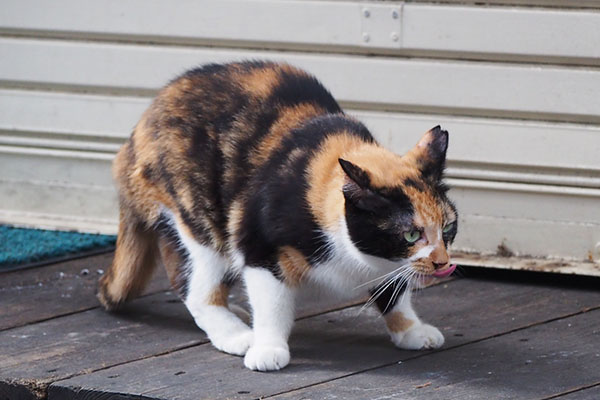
[(508, 336)]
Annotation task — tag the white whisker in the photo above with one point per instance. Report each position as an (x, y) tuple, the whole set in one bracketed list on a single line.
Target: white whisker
[(382, 277), (400, 287), (403, 277)]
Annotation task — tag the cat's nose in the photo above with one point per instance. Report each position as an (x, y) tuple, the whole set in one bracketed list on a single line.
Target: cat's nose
[(438, 265)]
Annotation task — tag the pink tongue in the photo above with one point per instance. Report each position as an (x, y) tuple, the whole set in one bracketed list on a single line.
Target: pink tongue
[(446, 272)]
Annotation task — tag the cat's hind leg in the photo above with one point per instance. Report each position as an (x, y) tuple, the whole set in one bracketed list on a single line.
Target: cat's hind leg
[(133, 264), (206, 298)]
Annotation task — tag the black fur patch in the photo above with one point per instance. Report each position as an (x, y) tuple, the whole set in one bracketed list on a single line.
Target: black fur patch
[(387, 299), (299, 88), (432, 168), (276, 211)]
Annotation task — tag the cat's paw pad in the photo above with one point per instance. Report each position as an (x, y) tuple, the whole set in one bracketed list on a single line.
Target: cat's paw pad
[(267, 357), (236, 344), (422, 336)]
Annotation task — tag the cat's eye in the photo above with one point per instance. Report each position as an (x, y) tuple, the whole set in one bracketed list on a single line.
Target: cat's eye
[(448, 227), (412, 236)]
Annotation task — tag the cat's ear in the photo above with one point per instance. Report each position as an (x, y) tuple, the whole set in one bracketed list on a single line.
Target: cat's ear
[(431, 153), (355, 173), (357, 189)]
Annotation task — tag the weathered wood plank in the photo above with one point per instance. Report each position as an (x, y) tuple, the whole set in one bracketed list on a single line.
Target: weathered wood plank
[(41, 293), (533, 363), (94, 339), (10, 391), (412, 85), (336, 344), (35, 355), (592, 393)]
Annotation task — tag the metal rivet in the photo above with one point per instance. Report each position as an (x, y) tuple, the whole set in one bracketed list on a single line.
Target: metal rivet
[(366, 37), (395, 14), (366, 12), (394, 36)]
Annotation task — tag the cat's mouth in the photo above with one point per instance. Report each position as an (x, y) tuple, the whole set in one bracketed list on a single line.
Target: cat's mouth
[(428, 278), (426, 270)]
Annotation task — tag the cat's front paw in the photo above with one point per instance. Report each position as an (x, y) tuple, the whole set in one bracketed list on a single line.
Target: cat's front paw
[(266, 357), (236, 344), (419, 337)]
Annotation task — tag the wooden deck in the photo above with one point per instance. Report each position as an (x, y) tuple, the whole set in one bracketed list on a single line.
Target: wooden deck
[(508, 336)]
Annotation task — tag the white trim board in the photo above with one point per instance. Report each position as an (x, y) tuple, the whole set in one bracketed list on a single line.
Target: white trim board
[(460, 31), (481, 148), (528, 264), (413, 85)]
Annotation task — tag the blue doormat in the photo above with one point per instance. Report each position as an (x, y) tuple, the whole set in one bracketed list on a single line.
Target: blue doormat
[(20, 247)]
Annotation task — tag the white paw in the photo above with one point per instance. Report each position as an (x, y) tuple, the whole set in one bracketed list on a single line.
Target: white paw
[(418, 337), (236, 344), (266, 357)]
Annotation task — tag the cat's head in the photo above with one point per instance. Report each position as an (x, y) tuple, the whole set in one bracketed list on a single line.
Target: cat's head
[(396, 208)]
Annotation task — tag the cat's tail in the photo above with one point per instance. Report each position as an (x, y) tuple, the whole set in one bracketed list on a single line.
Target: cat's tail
[(136, 256)]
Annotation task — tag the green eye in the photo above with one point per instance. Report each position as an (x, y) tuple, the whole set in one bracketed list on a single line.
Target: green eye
[(448, 227), (412, 236)]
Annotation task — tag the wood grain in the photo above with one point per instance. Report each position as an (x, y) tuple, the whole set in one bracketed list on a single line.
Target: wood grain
[(339, 343), (583, 394), (46, 292), (33, 356), (95, 339), (529, 364)]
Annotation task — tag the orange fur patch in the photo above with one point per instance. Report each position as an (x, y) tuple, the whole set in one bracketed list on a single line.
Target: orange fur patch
[(171, 260), (397, 322), (235, 215), (326, 179), (219, 296), (290, 117), (258, 82), (144, 196), (427, 210), (133, 264), (293, 265), (385, 169)]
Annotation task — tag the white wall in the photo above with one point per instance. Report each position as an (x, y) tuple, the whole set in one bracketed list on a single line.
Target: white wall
[(518, 87)]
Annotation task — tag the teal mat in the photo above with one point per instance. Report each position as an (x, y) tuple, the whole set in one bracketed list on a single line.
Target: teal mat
[(23, 247)]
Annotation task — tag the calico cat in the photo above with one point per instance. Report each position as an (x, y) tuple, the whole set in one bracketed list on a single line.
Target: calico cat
[(252, 171)]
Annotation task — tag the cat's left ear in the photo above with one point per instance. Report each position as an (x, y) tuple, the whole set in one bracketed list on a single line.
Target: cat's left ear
[(357, 189), (431, 153)]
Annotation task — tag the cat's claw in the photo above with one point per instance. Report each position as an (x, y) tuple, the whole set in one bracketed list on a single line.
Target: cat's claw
[(419, 337), (236, 344), (267, 357)]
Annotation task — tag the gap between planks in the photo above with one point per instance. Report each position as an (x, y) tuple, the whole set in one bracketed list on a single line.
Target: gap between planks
[(314, 48), (565, 315), (572, 391), (442, 350)]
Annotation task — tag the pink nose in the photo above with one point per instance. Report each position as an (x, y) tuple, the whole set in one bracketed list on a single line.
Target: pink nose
[(440, 265)]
